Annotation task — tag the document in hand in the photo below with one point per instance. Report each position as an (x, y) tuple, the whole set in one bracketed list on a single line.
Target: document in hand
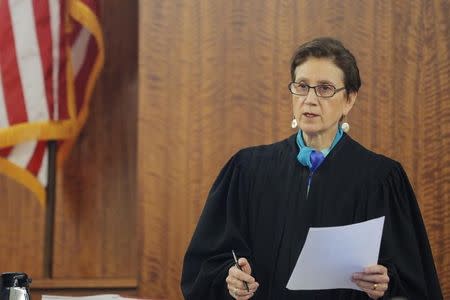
[(332, 254)]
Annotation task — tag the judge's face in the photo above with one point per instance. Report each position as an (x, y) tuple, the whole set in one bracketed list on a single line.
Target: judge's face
[(316, 115)]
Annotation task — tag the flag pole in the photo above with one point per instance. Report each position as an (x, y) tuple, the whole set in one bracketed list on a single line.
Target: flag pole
[(50, 210)]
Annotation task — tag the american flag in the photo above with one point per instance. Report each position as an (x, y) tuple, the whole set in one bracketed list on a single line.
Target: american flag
[(51, 52)]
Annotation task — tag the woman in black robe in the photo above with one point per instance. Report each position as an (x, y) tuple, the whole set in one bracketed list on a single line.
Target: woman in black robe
[(267, 197)]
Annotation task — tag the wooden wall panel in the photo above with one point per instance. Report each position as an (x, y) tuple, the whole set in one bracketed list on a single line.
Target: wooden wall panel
[(95, 227), (213, 77), (22, 229), (434, 139)]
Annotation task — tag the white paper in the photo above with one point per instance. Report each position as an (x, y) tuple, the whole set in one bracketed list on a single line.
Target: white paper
[(332, 254), (93, 297)]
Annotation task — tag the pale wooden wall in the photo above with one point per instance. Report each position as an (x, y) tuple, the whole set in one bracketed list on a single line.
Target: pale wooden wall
[(95, 244), (213, 77)]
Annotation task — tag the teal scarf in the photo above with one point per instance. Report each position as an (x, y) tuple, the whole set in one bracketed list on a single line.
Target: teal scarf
[(304, 155)]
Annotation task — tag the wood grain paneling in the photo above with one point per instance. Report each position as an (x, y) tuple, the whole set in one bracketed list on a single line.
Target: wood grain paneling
[(434, 142), (95, 227), (22, 230), (212, 79)]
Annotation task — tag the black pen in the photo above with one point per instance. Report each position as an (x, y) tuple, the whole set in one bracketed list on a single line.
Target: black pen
[(239, 267)]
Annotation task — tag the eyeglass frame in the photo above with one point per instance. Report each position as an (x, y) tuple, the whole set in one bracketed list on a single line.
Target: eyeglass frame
[(336, 90)]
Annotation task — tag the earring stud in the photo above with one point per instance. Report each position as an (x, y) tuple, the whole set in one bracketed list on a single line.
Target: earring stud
[(345, 127)]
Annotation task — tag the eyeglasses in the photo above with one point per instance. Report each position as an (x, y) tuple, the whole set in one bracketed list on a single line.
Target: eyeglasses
[(321, 90)]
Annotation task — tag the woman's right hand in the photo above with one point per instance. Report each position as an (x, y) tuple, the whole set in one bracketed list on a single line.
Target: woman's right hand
[(235, 281)]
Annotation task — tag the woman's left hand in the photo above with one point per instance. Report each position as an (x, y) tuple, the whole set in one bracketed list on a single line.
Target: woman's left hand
[(374, 280)]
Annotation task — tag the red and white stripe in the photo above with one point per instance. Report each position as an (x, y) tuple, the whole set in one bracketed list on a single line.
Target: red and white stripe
[(33, 67), (84, 53), (29, 74)]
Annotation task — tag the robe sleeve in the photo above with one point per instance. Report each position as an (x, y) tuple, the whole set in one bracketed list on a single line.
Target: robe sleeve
[(405, 249), (222, 227)]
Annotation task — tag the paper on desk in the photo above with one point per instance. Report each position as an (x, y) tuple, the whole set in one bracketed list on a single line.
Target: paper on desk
[(93, 297), (332, 254)]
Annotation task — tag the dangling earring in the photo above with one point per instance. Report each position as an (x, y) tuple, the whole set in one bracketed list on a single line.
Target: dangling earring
[(345, 127), (294, 123)]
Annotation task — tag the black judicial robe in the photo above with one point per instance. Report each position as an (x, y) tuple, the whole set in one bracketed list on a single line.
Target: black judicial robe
[(259, 207)]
